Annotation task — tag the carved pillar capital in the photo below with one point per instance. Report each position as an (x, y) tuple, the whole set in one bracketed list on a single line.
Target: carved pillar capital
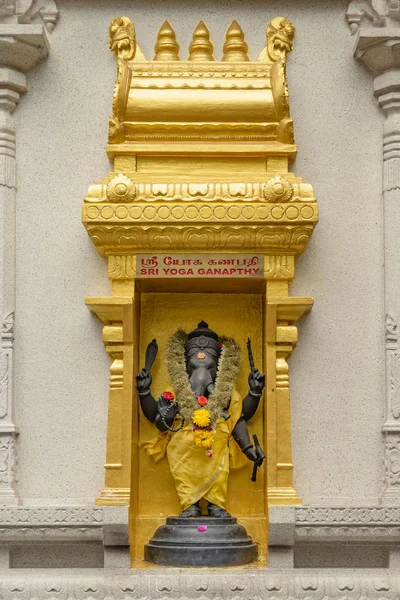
[(24, 28), (387, 89), (12, 85), (29, 11), (375, 25)]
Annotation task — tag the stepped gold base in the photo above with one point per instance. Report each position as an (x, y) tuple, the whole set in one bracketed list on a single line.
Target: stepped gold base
[(285, 496), (114, 497)]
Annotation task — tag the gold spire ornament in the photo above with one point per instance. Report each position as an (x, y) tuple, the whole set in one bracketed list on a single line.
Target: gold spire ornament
[(166, 48), (201, 47), (235, 47)]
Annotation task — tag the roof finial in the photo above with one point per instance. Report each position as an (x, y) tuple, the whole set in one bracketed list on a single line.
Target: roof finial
[(235, 47), (201, 47), (167, 48)]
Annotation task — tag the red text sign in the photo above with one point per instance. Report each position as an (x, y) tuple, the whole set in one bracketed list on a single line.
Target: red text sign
[(199, 265)]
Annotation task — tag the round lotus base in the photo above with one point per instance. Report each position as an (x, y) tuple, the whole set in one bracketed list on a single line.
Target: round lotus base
[(201, 542)]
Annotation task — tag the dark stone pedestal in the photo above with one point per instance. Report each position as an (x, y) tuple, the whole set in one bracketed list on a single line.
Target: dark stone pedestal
[(179, 543)]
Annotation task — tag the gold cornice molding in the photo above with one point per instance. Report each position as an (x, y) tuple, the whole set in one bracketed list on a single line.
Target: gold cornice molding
[(207, 238), (271, 213), (157, 186)]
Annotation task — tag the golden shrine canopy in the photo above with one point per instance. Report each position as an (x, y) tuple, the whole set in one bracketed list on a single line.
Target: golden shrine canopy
[(199, 132), (201, 150)]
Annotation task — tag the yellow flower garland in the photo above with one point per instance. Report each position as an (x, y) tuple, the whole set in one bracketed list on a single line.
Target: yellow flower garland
[(201, 417), (204, 438)]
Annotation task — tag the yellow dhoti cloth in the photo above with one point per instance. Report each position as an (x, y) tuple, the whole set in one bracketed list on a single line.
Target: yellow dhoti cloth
[(196, 475)]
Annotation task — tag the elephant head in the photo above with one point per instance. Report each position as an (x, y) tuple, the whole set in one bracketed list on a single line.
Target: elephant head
[(202, 355)]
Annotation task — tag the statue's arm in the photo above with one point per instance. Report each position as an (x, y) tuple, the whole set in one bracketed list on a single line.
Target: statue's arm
[(241, 436), (147, 402), (250, 405), (252, 400)]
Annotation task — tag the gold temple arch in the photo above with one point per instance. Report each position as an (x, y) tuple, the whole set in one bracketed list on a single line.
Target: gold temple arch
[(201, 151)]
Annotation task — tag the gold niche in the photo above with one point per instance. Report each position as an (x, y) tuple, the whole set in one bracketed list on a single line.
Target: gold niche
[(201, 150)]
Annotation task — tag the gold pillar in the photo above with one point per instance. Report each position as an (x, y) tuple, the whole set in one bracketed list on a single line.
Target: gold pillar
[(280, 338), (117, 314)]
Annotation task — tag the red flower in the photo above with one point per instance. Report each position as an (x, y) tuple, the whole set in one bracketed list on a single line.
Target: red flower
[(202, 400), (221, 345), (168, 396)]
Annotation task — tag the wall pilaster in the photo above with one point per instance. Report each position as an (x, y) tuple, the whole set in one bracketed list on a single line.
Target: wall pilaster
[(23, 44), (377, 29)]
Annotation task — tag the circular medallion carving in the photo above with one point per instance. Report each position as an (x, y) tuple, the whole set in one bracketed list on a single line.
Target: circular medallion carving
[(121, 189), (149, 212), (191, 212), (163, 212), (234, 212), (121, 212), (205, 212), (248, 212), (277, 212), (219, 212), (262, 212), (278, 189), (92, 212), (135, 212), (177, 212), (107, 212), (307, 212), (292, 212)]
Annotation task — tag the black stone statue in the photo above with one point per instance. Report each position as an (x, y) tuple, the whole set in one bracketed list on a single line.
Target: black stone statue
[(205, 417)]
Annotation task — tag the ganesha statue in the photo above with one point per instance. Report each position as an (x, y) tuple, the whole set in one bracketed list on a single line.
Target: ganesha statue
[(202, 425)]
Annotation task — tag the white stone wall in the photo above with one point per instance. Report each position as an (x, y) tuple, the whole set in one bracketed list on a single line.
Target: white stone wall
[(61, 367)]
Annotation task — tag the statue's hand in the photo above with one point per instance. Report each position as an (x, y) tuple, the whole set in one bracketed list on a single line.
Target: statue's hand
[(166, 408), (251, 454), (143, 381), (256, 382)]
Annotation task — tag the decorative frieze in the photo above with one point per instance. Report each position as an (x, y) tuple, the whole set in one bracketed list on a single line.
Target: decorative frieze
[(121, 188), (159, 213), (345, 516), (51, 516), (352, 524), (51, 524), (197, 238), (188, 584)]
